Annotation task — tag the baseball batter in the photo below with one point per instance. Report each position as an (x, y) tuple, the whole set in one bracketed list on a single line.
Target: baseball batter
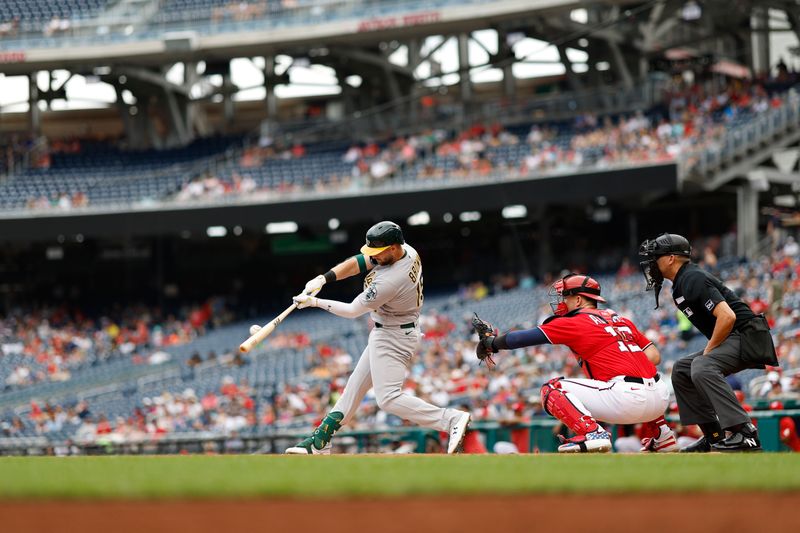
[(622, 385), (393, 296)]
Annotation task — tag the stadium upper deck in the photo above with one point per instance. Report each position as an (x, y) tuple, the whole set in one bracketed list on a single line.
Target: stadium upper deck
[(35, 35), (219, 170)]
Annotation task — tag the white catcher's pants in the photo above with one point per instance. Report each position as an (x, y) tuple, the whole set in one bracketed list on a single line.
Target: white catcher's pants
[(383, 366), (620, 402)]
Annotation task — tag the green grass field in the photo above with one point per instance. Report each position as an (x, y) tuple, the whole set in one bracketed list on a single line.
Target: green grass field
[(135, 477)]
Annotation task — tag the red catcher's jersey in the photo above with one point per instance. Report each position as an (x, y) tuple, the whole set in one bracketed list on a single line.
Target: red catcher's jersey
[(605, 344)]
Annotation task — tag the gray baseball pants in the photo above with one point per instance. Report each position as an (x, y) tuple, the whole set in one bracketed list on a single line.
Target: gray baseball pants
[(383, 366), (701, 390)]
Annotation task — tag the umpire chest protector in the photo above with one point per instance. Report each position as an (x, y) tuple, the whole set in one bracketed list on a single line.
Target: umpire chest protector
[(696, 294)]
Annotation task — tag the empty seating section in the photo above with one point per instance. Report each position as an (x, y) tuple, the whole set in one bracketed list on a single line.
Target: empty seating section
[(187, 10), (46, 10), (106, 175)]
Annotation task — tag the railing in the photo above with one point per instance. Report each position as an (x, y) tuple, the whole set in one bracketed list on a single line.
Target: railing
[(405, 118), (598, 101), (741, 140), (537, 435), (269, 197)]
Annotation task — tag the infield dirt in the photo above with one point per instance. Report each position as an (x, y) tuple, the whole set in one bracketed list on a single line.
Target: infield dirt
[(707, 512)]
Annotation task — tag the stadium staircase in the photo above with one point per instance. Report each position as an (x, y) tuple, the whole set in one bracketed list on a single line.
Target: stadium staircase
[(750, 141)]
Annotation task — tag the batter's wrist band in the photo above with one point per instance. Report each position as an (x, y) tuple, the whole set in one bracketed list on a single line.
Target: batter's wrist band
[(329, 276)]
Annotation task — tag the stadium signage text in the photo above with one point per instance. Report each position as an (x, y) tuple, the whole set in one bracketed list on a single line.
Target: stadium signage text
[(12, 57), (386, 23)]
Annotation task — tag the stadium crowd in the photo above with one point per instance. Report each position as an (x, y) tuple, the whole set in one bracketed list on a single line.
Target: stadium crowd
[(691, 119), (49, 344), (446, 371)]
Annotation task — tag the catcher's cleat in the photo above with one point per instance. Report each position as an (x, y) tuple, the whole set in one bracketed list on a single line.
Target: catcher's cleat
[(701, 445), (458, 430), (306, 447), (592, 442), (661, 444)]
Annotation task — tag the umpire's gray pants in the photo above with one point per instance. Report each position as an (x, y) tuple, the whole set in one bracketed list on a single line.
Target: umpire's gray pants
[(383, 366), (701, 390)]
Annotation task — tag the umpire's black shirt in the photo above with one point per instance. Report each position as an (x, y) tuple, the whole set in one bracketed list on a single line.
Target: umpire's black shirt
[(697, 293)]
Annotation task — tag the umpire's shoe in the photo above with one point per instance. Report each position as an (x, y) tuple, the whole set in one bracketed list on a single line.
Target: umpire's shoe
[(744, 440), (701, 445)]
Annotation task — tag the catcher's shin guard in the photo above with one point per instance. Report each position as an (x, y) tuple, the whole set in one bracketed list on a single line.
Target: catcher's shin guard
[(567, 408)]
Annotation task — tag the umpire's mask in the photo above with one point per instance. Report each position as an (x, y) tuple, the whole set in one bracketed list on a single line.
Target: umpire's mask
[(652, 249)]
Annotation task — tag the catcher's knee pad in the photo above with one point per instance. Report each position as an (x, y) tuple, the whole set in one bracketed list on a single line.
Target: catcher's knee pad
[(557, 403)]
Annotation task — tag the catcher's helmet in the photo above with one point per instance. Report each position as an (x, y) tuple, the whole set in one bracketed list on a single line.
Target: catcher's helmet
[(573, 284), (381, 236)]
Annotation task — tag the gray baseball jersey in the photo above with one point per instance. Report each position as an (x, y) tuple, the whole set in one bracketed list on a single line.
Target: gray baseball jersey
[(394, 292)]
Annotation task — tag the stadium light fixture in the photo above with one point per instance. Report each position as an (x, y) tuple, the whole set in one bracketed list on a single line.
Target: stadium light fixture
[(354, 81), (515, 211), (691, 11), (338, 236), (419, 219), (469, 216), (274, 228), (54, 253), (216, 231), (580, 16)]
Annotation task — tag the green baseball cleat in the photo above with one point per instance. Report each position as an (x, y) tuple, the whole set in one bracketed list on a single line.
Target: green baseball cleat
[(319, 443)]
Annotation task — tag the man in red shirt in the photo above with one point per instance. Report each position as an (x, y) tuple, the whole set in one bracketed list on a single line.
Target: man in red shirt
[(622, 385)]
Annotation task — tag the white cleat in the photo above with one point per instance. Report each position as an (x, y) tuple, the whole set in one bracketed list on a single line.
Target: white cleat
[(458, 430), (308, 449), (665, 443)]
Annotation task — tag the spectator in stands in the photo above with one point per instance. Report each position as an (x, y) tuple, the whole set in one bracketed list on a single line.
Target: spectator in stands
[(194, 360)]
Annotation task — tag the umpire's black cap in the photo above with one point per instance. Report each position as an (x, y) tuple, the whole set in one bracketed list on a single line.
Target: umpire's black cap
[(666, 244)]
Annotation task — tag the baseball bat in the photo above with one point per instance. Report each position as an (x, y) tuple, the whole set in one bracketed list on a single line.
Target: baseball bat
[(265, 332)]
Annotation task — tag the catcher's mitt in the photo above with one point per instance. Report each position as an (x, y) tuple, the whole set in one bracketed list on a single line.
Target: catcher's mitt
[(486, 334)]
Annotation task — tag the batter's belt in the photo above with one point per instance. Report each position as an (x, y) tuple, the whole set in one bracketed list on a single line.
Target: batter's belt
[(410, 325)]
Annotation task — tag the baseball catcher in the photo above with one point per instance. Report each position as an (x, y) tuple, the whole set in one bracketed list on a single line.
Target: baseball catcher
[(622, 385)]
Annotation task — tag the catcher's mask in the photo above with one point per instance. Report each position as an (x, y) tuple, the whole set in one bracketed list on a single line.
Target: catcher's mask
[(569, 285), (652, 249)]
